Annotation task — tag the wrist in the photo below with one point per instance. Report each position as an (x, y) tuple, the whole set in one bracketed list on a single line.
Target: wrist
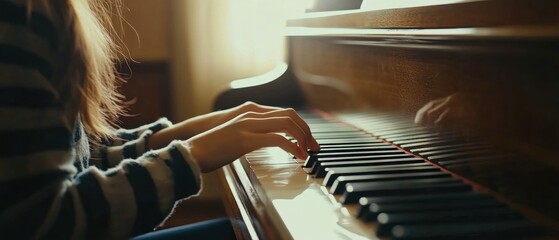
[(196, 154)]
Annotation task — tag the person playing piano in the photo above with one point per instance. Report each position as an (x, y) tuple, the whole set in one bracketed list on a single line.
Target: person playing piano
[(66, 171)]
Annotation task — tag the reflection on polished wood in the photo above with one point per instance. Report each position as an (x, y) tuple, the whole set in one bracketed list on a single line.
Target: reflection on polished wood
[(500, 57), (288, 198)]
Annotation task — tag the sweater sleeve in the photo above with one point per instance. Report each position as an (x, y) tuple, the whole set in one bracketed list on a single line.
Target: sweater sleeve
[(124, 136), (128, 143), (41, 195), (134, 196), (127, 200)]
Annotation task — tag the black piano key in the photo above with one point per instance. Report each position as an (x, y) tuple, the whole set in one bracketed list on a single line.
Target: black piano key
[(365, 202), (386, 221), (334, 173), (313, 159), (433, 207), (348, 141), (357, 158), (399, 154), (354, 191), (339, 185), (321, 174), (350, 145), (379, 147), (319, 138), (356, 153), (309, 162), (354, 148), (342, 139), (470, 230), (319, 161), (322, 167)]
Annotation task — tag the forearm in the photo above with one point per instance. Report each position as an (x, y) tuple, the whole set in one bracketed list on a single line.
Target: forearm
[(188, 128), (180, 131), (199, 124)]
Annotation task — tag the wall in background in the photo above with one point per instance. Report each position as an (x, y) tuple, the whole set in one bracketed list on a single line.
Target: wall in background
[(146, 29), (146, 32), (215, 42)]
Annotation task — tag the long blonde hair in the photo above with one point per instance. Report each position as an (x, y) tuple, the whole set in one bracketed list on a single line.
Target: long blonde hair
[(92, 61)]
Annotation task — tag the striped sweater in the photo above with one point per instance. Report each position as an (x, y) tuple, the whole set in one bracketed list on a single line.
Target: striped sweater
[(51, 185)]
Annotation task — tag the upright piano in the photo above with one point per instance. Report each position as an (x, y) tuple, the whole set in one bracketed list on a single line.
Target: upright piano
[(483, 78)]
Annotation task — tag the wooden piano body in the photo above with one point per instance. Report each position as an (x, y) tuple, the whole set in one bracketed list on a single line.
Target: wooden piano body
[(500, 57)]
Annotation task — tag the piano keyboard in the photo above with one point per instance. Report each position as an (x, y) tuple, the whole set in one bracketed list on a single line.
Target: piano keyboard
[(392, 179)]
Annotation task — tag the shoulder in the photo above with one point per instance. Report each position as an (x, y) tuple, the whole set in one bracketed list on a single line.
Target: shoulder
[(40, 17), (28, 35)]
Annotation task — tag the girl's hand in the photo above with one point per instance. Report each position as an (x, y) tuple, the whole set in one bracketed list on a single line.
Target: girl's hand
[(196, 125), (250, 131), (208, 121)]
